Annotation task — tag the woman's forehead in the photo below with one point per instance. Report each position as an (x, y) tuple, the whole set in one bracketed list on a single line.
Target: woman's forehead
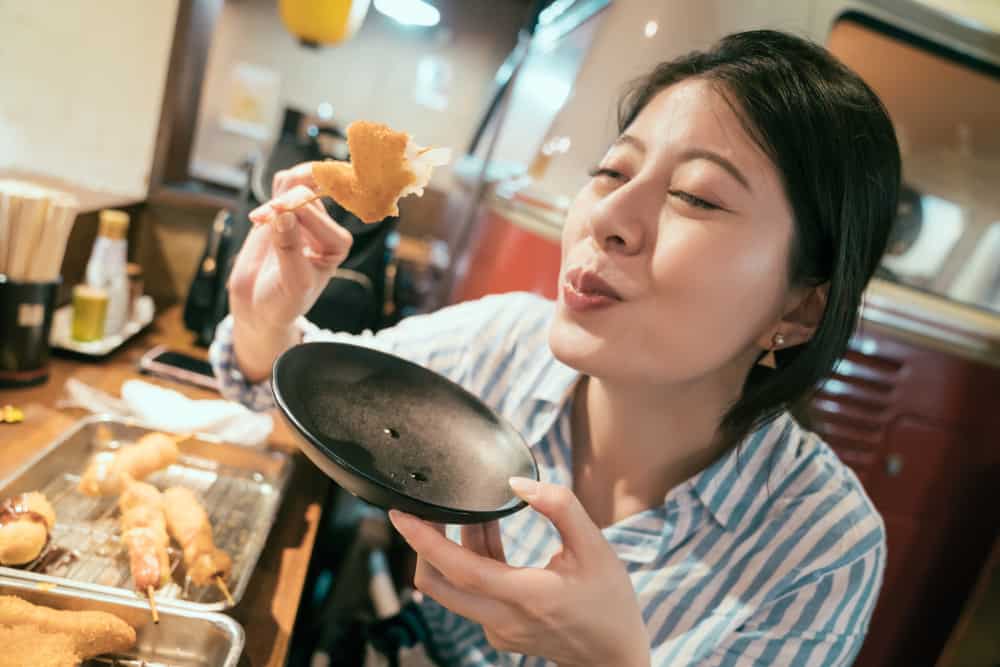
[(695, 114)]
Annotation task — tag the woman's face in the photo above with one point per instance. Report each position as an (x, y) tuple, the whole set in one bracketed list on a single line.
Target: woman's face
[(675, 255)]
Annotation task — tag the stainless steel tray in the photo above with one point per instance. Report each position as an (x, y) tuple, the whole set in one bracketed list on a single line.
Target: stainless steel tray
[(241, 489), (182, 638)]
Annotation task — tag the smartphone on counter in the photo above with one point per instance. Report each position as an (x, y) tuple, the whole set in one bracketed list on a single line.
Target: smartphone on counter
[(178, 366)]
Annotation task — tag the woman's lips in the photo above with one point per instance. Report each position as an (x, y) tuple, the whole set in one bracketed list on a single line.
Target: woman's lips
[(585, 290)]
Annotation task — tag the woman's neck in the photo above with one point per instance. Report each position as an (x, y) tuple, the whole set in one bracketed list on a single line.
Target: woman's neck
[(632, 443)]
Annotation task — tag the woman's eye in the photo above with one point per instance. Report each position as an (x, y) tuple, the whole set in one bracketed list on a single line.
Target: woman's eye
[(691, 200), (608, 173)]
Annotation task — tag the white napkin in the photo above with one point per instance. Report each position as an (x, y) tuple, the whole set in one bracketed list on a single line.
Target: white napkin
[(168, 410)]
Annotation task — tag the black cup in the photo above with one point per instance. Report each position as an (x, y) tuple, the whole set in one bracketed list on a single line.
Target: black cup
[(25, 321)]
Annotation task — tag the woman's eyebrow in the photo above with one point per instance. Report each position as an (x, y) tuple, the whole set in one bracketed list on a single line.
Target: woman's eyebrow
[(702, 154), (630, 140)]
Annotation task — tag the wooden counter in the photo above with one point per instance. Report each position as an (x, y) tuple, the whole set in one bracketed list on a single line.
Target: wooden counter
[(267, 610)]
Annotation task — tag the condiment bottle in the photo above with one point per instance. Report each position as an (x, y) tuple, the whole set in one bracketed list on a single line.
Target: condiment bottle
[(107, 268), (135, 281), (90, 309)]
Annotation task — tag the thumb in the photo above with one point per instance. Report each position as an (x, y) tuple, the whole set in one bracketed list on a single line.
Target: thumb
[(580, 535)]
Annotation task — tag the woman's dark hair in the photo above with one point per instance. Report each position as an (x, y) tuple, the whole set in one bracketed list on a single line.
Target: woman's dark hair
[(835, 149)]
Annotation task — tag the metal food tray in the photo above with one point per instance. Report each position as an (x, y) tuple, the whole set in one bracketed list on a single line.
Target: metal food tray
[(181, 639), (241, 489)]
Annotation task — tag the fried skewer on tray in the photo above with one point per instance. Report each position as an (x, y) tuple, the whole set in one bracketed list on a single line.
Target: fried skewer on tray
[(45, 636), (188, 522), (385, 166), (26, 521), (144, 533), (106, 473)]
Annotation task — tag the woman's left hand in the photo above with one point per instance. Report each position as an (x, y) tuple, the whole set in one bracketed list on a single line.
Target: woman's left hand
[(579, 610)]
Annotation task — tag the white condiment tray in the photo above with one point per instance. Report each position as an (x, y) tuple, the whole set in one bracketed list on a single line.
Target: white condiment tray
[(62, 330)]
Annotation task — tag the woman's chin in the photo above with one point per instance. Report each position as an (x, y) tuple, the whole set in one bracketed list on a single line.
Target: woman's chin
[(579, 348)]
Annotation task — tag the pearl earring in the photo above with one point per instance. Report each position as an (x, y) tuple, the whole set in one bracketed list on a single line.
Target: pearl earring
[(769, 360)]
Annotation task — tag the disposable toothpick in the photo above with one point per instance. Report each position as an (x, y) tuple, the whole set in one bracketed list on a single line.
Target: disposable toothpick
[(221, 583), (152, 604)]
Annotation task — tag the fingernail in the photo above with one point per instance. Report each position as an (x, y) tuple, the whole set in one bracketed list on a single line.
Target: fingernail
[(401, 521), (292, 199), (524, 487), (285, 222), (261, 213)]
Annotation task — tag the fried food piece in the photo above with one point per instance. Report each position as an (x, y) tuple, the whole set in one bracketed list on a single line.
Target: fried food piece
[(137, 494), (144, 533), (188, 523), (385, 165), (152, 452), (25, 523), (24, 646), (91, 632)]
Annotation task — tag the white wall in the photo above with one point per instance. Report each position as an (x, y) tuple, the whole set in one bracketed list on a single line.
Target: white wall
[(369, 77), (621, 51), (81, 86)]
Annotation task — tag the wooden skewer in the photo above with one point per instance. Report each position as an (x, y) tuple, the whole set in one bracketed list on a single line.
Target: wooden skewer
[(152, 604), (297, 205), (221, 583)]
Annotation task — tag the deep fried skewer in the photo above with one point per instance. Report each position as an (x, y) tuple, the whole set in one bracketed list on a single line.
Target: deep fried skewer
[(144, 533), (106, 473), (188, 522)]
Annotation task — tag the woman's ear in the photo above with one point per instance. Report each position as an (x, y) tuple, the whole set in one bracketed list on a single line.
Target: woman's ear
[(803, 314)]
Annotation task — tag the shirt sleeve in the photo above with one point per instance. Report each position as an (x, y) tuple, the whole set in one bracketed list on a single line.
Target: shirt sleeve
[(821, 623), (445, 341)]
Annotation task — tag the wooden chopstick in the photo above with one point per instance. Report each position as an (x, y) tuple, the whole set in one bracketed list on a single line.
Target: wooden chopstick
[(59, 221), (4, 231), (26, 222), (35, 224)]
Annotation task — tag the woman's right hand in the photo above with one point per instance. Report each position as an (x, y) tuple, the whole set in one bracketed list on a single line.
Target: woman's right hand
[(286, 261)]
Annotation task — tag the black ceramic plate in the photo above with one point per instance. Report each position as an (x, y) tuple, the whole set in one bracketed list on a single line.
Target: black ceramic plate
[(398, 435)]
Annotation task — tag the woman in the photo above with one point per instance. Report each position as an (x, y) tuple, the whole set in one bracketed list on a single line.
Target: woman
[(683, 518)]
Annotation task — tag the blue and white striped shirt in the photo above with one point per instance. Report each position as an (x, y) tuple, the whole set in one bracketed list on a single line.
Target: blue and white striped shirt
[(773, 555)]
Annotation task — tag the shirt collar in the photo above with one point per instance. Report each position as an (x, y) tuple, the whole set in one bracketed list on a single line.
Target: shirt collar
[(724, 487), (721, 487), (556, 381)]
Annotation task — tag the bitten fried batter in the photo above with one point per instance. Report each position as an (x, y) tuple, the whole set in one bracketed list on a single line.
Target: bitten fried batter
[(370, 186), (385, 165)]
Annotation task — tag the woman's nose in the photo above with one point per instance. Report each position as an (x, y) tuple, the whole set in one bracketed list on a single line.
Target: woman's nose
[(620, 220)]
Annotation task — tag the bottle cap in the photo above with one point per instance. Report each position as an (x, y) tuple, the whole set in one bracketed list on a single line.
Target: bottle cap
[(114, 224)]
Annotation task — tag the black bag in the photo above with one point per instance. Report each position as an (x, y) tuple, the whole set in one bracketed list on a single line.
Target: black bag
[(360, 296)]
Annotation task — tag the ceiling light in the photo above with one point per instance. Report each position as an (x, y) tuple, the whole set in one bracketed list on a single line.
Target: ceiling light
[(410, 12)]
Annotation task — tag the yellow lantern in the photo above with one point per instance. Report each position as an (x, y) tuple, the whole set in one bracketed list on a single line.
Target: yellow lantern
[(316, 22)]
